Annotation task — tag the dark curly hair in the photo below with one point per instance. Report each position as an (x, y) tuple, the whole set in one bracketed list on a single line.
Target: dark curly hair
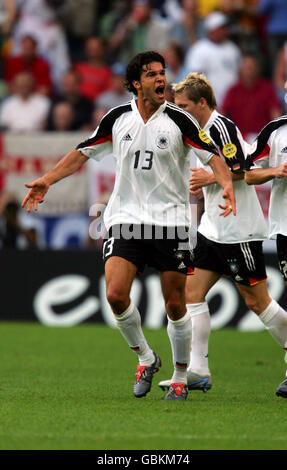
[(134, 68)]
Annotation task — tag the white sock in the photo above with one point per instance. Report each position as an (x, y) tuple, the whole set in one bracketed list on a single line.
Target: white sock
[(274, 318), (179, 332), (129, 324), (200, 319)]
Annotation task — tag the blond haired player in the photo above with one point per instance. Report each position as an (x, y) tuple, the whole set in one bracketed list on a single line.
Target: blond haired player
[(231, 246)]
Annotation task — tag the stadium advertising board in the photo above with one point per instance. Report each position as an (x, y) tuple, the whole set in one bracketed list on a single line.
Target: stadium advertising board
[(66, 288)]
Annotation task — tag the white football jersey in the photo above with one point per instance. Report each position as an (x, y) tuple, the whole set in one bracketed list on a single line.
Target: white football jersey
[(269, 151), (152, 163), (249, 223)]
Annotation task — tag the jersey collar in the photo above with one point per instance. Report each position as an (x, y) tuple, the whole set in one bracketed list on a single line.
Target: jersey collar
[(159, 111), (211, 120)]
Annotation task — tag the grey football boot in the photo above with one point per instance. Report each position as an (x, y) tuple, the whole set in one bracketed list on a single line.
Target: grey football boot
[(281, 391), (144, 376), (177, 391)]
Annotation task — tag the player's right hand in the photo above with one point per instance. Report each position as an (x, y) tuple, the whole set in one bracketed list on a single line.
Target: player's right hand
[(35, 196), (230, 203)]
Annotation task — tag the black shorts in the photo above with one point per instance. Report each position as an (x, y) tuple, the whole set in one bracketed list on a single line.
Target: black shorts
[(243, 262), (163, 248), (281, 242)]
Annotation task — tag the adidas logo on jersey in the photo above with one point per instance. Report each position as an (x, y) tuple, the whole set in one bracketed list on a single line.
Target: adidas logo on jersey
[(284, 150), (127, 137)]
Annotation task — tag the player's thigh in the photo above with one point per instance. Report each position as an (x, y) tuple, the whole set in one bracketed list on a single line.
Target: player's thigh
[(256, 297), (198, 285)]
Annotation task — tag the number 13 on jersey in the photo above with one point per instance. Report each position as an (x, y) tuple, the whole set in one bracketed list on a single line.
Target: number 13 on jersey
[(146, 160)]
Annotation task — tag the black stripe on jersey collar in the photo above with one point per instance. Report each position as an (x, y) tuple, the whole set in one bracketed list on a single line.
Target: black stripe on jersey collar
[(189, 127), (264, 135)]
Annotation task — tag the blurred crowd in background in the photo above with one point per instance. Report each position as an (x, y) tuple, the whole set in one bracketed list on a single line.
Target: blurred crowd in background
[(63, 61)]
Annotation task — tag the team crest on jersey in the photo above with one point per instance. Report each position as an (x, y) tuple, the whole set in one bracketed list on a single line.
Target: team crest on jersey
[(162, 141), (203, 136), (229, 150)]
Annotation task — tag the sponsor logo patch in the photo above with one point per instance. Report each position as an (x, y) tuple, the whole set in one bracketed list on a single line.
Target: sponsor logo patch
[(229, 150), (203, 136)]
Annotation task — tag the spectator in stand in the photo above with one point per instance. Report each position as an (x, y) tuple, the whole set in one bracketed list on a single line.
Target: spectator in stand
[(78, 18), (62, 117), (82, 106), (252, 102), (189, 28), (8, 13), (141, 30), (24, 110), (174, 59), (118, 94), (29, 61), (216, 56), (245, 25), (280, 76), (40, 17), (95, 75), (276, 27), (110, 21), (13, 233)]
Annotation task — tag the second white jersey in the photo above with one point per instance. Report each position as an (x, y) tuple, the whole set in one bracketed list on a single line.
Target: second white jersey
[(152, 163), (269, 151), (249, 223)]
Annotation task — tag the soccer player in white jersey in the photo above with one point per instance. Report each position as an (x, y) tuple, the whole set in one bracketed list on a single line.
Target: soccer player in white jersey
[(231, 246), (151, 140), (268, 161)]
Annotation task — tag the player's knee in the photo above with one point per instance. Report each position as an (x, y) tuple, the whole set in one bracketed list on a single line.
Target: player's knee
[(174, 307), (194, 297), (255, 304), (117, 299)]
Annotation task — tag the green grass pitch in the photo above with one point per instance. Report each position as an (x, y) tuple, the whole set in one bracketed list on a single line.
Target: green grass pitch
[(71, 388)]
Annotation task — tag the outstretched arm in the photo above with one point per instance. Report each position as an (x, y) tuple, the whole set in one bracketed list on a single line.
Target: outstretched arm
[(262, 175), (65, 167), (201, 177), (223, 177)]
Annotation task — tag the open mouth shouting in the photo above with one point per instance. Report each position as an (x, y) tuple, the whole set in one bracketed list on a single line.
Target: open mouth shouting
[(160, 91)]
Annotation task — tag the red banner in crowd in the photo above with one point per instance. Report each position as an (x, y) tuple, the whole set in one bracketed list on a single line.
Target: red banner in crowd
[(24, 158)]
